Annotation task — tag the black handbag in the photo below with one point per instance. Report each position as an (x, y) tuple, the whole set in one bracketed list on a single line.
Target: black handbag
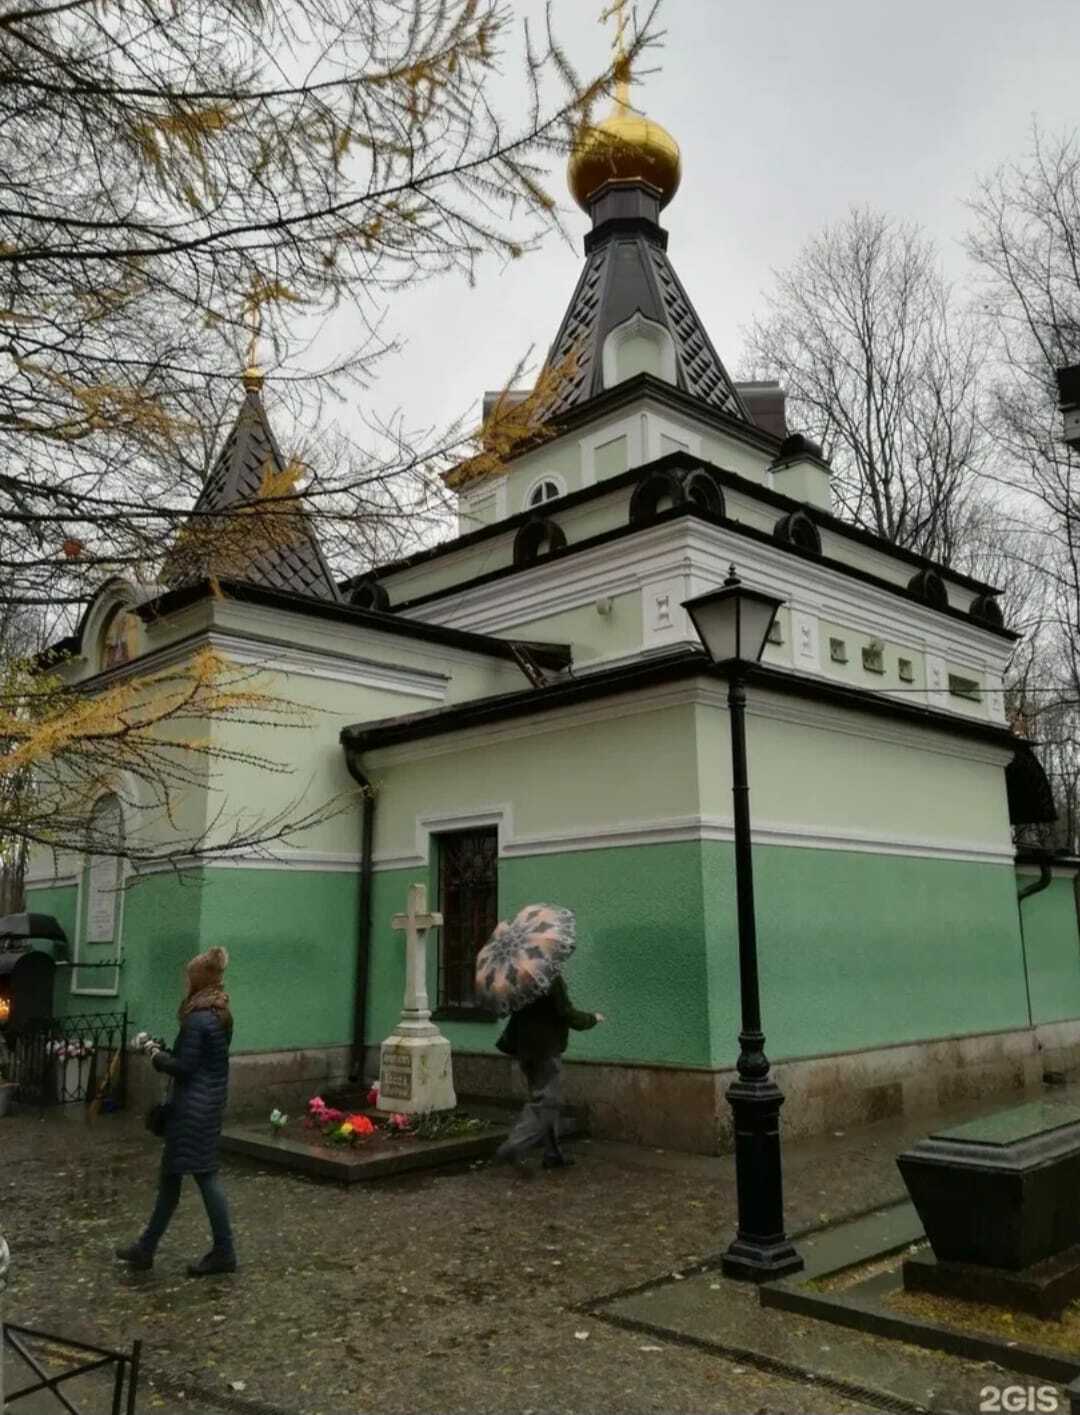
[(157, 1118)]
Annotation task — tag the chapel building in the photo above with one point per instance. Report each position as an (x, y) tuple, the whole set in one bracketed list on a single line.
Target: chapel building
[(524, 713)]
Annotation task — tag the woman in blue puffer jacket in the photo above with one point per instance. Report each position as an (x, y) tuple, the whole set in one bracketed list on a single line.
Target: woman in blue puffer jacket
[(199, 1066)]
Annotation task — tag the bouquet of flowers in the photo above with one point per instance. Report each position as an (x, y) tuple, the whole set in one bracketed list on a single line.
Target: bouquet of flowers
[(336, 1125), (72, 1050), (144, 1042)]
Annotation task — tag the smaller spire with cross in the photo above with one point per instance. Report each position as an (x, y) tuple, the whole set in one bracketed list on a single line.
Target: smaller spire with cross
[(253, 377)]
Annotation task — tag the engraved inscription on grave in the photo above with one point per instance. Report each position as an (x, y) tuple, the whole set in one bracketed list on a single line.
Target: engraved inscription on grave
[(396, 1080)]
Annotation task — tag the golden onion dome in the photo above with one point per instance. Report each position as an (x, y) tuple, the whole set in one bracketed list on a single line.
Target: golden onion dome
[(625, 147)]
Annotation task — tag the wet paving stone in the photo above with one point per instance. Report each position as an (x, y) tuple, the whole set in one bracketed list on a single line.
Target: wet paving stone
[(456, 1290)]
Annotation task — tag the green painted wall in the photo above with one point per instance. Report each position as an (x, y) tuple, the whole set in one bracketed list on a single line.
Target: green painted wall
[(639, 958), (1052, 941), (856, 950), (861, 950), (291, 936)]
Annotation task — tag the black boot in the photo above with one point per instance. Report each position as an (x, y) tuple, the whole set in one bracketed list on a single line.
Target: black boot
[(214, 1262), (136, 1256), (558, 1162)]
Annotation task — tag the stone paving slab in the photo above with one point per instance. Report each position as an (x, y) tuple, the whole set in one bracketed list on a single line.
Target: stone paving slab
[(714, 1314)]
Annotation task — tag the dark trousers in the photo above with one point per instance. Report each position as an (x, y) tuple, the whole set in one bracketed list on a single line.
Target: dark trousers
[(538, 1123), (168, 1196)]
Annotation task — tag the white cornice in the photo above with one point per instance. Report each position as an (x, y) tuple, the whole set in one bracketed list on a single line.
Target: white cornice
[(273, 655), (673, 830), (323, 861), (704, 552)]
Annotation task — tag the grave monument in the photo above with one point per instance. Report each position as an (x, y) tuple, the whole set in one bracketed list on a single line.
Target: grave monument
[(998, 1201), (415, 1071)]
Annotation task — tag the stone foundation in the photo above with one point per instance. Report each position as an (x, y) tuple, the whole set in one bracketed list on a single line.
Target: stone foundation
[(684, 1108), (258, 1081)]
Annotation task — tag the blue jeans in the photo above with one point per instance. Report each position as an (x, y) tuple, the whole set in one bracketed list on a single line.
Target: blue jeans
[(168, 1196)]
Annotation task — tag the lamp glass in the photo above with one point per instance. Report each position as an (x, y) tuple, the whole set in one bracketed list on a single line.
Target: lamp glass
[(756, 615), (734, 622)]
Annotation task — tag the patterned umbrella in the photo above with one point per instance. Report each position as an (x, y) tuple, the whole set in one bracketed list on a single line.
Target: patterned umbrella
[(522, 959)]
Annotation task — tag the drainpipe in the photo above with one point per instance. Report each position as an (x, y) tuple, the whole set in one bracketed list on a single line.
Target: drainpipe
[(1046, 875), (363, 921)]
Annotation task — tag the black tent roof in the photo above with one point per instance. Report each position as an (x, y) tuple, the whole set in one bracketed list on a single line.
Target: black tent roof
[(293, 563), (627, 272)]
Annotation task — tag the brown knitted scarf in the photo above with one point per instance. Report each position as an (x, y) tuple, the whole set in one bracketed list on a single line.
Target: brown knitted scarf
[(213, 999)]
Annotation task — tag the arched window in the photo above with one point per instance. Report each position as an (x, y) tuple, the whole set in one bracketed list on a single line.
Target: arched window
[(799, 530), (120, 642), (546, 490), (656, 492), (988, 610), (930, 587), (369, 594), (535, 539), (704, 492)]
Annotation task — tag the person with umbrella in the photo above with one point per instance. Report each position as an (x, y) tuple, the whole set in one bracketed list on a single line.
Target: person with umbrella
[(519, 971)]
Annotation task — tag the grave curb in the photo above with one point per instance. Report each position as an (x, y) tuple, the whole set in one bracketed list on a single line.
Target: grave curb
[(319, 1162)]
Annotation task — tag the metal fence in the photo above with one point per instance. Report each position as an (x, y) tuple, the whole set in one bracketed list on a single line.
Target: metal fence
[(64, 1060), (45, 1362)]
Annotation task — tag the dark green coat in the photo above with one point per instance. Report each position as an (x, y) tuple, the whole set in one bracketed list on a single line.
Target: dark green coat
[(543, 1027)]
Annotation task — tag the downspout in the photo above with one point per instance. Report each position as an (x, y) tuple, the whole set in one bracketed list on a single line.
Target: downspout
[(1046, 875), (363, 920)]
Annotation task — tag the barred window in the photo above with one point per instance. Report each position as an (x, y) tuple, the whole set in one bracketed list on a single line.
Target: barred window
[(468, 902)]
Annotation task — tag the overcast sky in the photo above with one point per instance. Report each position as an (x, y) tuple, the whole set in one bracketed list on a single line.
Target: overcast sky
[(787, 113)]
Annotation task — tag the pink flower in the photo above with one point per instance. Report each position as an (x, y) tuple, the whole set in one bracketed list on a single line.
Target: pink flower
[(400, 1121)]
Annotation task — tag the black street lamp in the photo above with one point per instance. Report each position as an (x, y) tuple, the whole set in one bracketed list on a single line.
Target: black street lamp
[(733, 623), (1068, 381)]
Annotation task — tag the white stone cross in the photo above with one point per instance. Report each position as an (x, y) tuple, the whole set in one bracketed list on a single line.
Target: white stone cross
[(415, 922), (415, 1065)]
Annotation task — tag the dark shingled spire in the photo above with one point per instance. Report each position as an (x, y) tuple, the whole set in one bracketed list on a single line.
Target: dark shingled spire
[(278, 550), (627, 271)]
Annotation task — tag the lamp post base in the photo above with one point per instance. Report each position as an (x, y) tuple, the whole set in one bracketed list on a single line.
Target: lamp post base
[(753, 1262), (761, 1250)]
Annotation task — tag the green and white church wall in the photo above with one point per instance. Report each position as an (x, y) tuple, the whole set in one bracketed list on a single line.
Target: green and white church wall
[(286, 911), (883, 858), (667, 563)]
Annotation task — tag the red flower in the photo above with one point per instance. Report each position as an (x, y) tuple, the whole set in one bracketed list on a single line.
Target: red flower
[(361, 1125)]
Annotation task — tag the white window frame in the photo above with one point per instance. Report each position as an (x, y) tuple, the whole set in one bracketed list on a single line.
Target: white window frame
[(80, 899), (548, 479)]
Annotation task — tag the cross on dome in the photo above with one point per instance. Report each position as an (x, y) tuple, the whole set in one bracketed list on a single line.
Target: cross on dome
[(626, 146)]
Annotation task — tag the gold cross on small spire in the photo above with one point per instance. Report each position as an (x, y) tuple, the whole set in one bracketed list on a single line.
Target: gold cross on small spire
[(252, 318), (617, 11)]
